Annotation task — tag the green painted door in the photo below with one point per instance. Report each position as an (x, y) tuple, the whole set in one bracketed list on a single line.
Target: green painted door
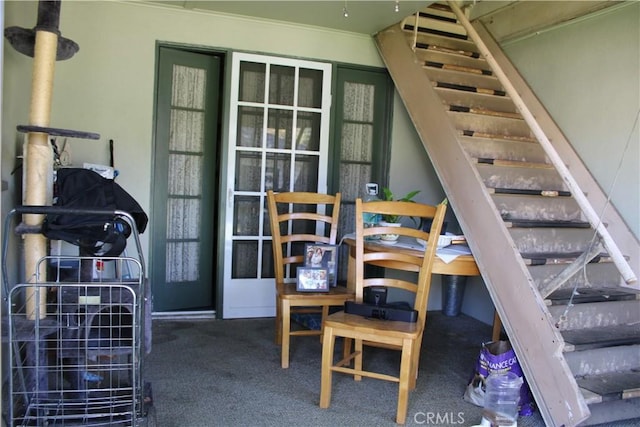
[(362, 115), (185, 182)]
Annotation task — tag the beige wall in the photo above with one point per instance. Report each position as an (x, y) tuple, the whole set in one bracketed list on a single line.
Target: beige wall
[(108, 87), (587, 74)]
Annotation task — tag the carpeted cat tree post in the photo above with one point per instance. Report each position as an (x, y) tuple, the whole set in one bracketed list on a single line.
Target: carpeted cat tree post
[(45, 44)]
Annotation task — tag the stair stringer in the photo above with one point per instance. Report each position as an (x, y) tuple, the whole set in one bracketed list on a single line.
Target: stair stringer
[(616, 226), (535, 339)]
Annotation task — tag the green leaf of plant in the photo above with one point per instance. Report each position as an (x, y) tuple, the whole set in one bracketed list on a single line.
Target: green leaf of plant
[(410, 196), (388, 195)]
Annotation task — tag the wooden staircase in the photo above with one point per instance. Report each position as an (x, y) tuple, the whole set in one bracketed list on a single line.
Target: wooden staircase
[(563, 284)]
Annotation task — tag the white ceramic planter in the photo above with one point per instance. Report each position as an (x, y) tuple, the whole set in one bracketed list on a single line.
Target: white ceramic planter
[(389, 239)]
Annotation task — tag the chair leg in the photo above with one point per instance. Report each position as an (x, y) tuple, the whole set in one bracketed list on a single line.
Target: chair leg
[(413, 376), (286, 337), (278, 320), (346, 348), (328, 344), (405, 380), (325, 313), (415, 362), (357, 365)]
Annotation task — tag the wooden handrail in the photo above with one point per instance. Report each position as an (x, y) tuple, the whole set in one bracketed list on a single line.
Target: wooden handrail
[(607, 241)]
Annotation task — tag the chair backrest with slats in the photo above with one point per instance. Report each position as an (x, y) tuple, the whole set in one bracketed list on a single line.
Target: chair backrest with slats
[(297, 218), (404, 269)]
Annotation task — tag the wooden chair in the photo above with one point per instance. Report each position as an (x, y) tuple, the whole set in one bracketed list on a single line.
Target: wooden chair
[(397, 335), (298, 218)]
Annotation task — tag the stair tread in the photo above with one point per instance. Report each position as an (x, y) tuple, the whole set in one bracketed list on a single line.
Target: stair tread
[(505, 127), (586, 295), (484, 112), (469, 88), (461, 68), (451, 18), (532, 223), (612, 385), (529, 192), (477, 134), (606, 336), (442, 49), (430, 52), (590, 397), (487, 83), (437, 23), (486, 99), (431, 31), (560, 255), (559, 258), (503, 150), (446, 22), (513, 163), (436, 39)]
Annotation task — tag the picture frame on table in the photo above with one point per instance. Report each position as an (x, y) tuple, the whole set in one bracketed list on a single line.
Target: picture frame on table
[(312, 279), (320, 255)]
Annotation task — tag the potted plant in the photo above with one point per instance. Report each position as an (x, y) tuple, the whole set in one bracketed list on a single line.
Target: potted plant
[(394, 220), (388, 196)]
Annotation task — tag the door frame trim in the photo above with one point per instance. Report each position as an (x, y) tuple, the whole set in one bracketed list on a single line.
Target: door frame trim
[(229, 167)]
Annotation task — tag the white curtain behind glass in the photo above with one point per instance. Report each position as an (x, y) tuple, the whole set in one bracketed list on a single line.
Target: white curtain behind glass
[(186, 142)]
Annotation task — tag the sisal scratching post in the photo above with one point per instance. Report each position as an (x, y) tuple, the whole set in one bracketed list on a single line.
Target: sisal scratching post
[(45, 45), (39, 164)]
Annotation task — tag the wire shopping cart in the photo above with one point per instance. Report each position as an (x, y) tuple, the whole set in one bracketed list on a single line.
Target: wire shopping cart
[(78, 333)]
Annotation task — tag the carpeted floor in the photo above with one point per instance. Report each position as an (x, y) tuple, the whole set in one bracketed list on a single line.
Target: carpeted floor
[(227, 373)]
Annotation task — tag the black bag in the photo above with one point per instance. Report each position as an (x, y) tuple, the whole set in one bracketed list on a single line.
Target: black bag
[(95, 234), (396, 311)]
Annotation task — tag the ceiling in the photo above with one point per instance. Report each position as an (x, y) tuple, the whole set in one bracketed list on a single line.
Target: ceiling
[(365, 16), (505, 19)]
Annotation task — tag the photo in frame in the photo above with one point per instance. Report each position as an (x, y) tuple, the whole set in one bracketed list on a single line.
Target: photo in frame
[(323, 256), (312, 279)]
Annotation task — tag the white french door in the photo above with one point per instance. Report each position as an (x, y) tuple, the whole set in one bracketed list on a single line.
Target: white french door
[(278, 139)]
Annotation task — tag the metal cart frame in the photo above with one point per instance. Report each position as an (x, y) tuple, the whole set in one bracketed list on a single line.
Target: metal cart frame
[(78, 360)]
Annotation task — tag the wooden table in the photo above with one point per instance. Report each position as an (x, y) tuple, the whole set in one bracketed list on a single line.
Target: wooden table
[(463, 265)]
